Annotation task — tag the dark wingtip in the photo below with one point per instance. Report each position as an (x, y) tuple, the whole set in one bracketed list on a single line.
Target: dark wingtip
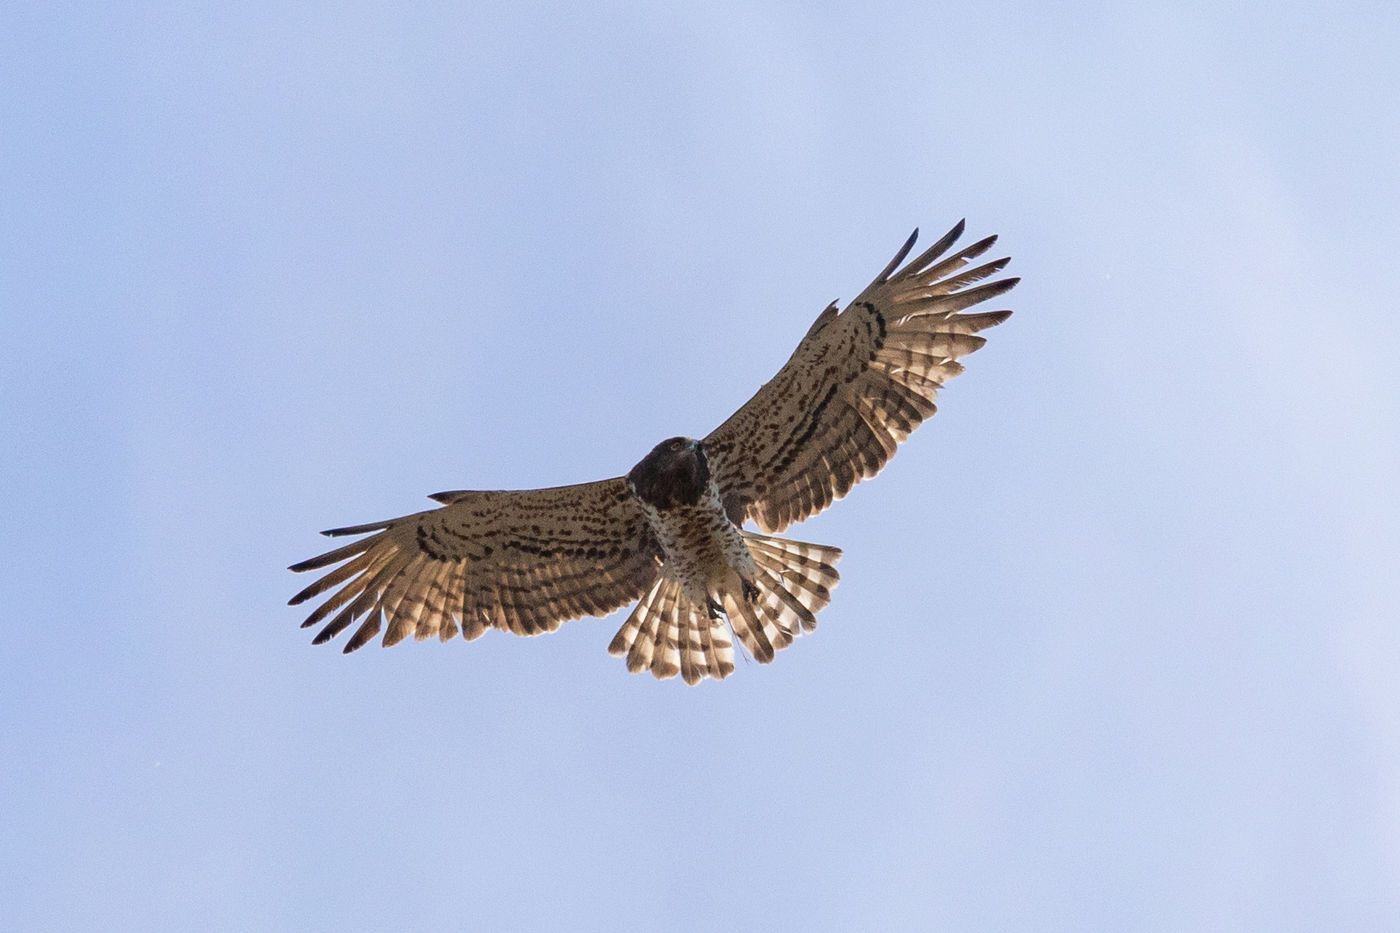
[(953, 235), (307, 593), (980, 247), (356, 529), (898, 257)]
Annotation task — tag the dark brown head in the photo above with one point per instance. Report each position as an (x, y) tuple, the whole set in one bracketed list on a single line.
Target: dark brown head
[(674, 473)]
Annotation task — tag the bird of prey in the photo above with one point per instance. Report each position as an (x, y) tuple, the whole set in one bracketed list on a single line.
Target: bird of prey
[(670, 533)]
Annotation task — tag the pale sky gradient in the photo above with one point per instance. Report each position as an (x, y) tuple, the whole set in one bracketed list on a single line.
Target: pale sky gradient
[(1117, 643)]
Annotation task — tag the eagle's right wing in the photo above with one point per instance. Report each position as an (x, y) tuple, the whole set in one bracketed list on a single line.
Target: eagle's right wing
[(520, 560), (855, 387)]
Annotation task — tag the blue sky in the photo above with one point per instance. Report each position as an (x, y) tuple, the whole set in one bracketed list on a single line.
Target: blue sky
[(1116, 643)]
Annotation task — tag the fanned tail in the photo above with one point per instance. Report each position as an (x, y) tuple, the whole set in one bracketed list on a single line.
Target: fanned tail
[(794, 580), (669, 634)]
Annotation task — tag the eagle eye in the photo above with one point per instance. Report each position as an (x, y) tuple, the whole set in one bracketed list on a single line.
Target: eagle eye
[(677, 444)]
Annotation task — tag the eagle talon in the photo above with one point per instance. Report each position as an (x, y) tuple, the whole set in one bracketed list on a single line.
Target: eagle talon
[(750, 591), (715, 608)]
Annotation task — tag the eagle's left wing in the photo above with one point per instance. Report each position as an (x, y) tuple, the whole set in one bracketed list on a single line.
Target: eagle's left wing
[(519, 560), (855, 387)]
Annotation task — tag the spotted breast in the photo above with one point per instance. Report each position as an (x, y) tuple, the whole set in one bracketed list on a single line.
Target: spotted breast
[(715, 576)]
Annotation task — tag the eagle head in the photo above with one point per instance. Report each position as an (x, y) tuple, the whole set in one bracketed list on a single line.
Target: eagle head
[(674, 473)]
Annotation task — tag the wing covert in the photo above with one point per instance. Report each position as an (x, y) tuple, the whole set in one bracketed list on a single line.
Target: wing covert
[(856, 386), (520, 560)]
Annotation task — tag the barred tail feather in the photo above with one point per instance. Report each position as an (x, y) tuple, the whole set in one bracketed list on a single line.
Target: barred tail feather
[(669, 634), (794, 580)]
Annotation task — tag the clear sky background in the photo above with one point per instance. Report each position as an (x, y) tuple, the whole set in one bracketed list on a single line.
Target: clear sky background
[(1117, 644)]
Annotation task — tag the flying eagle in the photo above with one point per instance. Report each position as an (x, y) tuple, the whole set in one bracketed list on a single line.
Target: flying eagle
[(670, 532)]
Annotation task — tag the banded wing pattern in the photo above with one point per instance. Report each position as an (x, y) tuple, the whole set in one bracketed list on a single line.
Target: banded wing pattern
[(523, 561), (856, 386)]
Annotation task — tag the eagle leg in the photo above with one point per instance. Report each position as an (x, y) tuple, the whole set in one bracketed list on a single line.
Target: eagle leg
[(750, 591), (714, 607)]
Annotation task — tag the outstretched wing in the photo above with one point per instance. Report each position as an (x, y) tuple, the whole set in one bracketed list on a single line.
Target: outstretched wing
[(524, 561), (855, 387)]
